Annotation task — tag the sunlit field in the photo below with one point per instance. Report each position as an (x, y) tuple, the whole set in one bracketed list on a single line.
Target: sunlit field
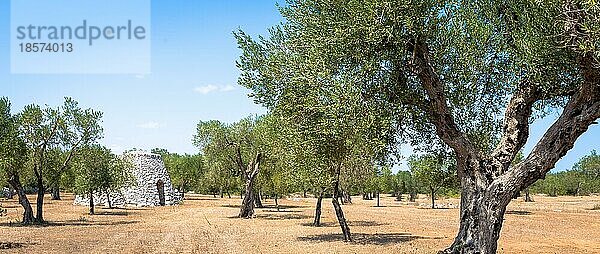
[(203, 224)]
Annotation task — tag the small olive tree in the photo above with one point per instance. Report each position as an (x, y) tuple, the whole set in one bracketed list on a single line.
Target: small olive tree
[(98, 171), (433, 172)]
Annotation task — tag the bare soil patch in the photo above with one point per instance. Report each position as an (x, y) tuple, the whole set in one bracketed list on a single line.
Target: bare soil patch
[(203, 224)]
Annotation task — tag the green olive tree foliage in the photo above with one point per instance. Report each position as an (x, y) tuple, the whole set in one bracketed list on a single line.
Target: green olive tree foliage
[(589, 165), (53, 137), (307, 170), (582, 179), (100, 172), (13, 156), (408, 184), (186, 171), (326, 110), (433, 172), (470, 74), (239, 148)]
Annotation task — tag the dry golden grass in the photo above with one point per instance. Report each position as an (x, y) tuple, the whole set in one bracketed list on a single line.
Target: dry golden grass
[(208, 225)]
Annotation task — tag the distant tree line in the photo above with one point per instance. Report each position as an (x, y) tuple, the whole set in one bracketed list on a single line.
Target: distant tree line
[(582, 179)]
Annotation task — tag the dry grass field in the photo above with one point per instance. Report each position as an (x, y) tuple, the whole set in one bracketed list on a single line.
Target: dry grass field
[(209, 225)]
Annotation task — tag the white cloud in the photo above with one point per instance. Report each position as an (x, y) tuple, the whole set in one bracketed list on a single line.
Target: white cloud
[(227, 88), (205, 89), (149, 125), (212, 88)]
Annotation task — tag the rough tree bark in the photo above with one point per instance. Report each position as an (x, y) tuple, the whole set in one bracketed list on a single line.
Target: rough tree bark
[(338, 208), (317, 220), (487, 182), (55, 193), (15, 182), (247, 208), (108, 200), (432, 191), (257, 200), (92, 212), (378, 199), (527, 196), (39, 217), (346, 197), (412, 197)]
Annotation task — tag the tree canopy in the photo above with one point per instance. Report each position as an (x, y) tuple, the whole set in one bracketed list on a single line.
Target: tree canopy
[(464, 75)]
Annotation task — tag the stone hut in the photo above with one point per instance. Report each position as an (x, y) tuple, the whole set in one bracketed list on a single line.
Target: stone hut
[(152, 184)]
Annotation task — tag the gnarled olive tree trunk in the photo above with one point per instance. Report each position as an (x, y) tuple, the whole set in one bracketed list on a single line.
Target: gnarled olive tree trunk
[(482, 209), (257, 200), (108, 200), (432, 192), (39, 217), (338, 208), (527, 197), (92, 212), (55, 193), (15, 182), (247, 208), (346, 198), (317, 220), (488, 181)]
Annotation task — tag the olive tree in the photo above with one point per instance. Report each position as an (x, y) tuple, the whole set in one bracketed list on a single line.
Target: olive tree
[(238, 147), (48, 130), (98, 171), (589, 165), (433, 172), (326, 111), (13, 156), (470, 74)]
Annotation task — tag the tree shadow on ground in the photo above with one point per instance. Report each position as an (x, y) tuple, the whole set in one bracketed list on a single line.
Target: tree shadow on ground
[(205, 198), (519, 212), (231, 206), (281, 207), (10, 206), (69, 223), (13, 245), (129, 208), (277, 216), (285, 206), (113, 213), (362, 238), (434, 209), (282, 216), (360, 223), (274, 210)]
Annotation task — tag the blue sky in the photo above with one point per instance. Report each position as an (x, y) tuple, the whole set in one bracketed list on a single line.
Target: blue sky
[(193, 78)]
